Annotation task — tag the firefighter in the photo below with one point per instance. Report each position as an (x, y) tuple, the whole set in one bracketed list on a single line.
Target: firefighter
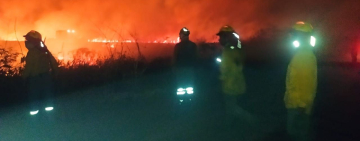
[(40, 69), (301, 82), (185, 56), (231, 74)]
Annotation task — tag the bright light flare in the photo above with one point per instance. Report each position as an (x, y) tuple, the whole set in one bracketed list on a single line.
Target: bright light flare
[(218, 60), (312, 41), (70, 31), (34, 112), (49, 108), (296, 44), (185, 30)]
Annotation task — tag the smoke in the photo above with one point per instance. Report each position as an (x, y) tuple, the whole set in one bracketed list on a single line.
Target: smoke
[(158, 19)]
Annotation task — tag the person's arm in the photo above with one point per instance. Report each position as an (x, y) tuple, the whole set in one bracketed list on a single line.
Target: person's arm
[(54, 65), (175, 54), (29, 65), (290, 81)]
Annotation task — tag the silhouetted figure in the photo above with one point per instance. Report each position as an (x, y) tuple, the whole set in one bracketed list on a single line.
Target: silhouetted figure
[(185, 57), (231, 75), (40, 69), (301, 83)]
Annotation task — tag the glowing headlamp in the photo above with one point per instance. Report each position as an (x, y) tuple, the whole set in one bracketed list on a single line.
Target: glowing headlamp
[(296, 44)]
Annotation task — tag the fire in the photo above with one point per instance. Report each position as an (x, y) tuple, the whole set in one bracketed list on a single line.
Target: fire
[(60, 57), (100, 40)]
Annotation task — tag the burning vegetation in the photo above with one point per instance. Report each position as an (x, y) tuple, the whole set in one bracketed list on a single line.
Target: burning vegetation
[(117, 28)]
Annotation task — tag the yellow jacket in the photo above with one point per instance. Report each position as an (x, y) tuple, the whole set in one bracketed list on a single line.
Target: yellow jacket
[(37, 62), (231, 72), (301, 80)]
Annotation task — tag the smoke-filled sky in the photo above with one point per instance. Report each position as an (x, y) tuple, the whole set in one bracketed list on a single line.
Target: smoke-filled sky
[(157, 19)]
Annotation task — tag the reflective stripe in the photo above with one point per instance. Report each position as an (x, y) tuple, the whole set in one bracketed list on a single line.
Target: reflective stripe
[(236, 35), (180, 89), (312, 41), (42, 44), (180, 93), (34, 112), (49, 108), (189, 89)]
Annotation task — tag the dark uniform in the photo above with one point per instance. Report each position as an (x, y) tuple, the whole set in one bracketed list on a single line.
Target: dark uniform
[(185, 56), (39, 68)]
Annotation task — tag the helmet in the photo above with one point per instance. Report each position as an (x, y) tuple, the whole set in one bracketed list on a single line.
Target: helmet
[(303, 27), (33, 34), (303, 30), (228, 33), (226, 29), (184, 31)]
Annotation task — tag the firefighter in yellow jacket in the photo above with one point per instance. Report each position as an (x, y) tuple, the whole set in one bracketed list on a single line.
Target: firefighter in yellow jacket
[(301, 82), (231, 73), (39, 71)]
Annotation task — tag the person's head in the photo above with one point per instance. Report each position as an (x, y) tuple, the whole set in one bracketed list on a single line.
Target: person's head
[(228, 36), (302, 35), (32, 39), (33, 35), (184, 34)]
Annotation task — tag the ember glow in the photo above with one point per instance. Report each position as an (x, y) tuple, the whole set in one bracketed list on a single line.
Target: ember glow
[(133, 41)]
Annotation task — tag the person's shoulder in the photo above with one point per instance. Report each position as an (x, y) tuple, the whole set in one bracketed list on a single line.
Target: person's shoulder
[(33, 52), (177, 44), (192, 43)]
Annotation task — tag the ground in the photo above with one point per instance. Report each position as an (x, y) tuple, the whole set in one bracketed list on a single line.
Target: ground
[(143, 109)]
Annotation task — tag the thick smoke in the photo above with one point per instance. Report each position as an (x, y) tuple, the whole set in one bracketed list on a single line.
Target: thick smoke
[(158, 19)]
